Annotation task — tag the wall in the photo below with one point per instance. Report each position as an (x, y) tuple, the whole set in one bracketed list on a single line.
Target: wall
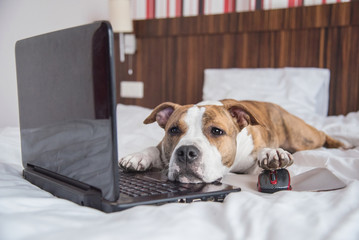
[(25, 18)]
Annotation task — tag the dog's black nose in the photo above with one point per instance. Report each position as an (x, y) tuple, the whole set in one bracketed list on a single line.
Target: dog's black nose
[(187, 154)]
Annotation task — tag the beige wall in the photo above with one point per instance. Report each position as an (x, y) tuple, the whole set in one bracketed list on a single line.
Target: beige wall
[(25, 18)]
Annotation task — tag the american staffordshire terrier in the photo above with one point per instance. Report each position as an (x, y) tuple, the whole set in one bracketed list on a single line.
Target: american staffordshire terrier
[(203, 142)]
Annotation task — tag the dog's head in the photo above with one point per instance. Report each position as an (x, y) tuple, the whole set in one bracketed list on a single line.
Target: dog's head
[(200, 140)]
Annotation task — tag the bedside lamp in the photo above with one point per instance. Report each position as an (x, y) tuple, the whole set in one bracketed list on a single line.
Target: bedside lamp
[(121, 21)]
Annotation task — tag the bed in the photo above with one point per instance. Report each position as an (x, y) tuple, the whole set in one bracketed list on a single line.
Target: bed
[(28, 212)]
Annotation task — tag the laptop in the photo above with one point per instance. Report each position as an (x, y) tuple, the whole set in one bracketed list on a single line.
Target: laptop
[(67, 107)]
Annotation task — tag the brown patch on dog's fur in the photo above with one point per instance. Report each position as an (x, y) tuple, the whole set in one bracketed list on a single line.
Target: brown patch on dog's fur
[(226, 144), (177, 120), (278, 128), (169, 142)]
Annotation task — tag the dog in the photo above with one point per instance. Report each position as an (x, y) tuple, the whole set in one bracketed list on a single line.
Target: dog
[(205, 141)]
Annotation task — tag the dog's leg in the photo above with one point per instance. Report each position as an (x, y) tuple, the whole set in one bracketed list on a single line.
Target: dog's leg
[(271, 159), (142, 161)]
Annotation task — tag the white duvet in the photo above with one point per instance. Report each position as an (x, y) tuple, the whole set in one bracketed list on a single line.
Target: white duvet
[(27, 212)]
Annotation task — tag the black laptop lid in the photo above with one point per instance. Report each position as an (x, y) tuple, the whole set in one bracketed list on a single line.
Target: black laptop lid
[(66, 92)]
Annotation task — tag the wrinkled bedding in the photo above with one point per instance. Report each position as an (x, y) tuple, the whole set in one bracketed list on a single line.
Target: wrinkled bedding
[(27, 212)]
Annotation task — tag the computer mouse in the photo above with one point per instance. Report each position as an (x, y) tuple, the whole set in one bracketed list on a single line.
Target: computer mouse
[(270, 181)]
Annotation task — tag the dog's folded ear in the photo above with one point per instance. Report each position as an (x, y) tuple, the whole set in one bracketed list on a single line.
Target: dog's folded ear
[(243, 112), (161, 114)]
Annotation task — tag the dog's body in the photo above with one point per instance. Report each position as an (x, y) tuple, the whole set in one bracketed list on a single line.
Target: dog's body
[(205, 141)]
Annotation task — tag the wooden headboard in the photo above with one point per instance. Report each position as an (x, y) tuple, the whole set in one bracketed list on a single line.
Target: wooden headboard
[(173, 53)]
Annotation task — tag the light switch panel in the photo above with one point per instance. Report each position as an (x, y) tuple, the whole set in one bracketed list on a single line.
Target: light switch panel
[(131, 89)]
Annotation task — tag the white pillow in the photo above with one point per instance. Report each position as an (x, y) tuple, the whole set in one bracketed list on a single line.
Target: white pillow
[(301, 91)]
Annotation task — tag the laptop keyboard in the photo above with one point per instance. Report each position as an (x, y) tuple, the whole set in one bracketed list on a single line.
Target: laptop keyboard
[(138, 187)]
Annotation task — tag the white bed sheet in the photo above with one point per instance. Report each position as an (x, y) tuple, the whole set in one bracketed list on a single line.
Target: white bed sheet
[(27, 212)]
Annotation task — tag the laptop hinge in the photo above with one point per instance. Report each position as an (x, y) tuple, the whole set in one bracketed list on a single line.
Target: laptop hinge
[(64, 187)]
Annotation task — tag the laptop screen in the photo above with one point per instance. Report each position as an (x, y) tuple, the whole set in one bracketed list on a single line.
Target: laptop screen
[(66, 92)]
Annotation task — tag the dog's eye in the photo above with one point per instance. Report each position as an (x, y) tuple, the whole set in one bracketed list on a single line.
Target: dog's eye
[(217, 132), (174, 131)]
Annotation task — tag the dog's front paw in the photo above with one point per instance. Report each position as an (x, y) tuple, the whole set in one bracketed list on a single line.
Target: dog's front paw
[(140, 161), (272, 159), (135, 162)]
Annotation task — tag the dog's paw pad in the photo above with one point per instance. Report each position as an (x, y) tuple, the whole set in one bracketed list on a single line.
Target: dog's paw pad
[(135, 162), (271, 159)]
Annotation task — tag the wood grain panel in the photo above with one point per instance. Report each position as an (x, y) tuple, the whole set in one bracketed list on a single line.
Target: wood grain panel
[(173, 53), (305, 48), (355, 13), (247, 50), (342, 59), (316, 16), (151, 61), (353, 74), (187, 74), (331, 62), (340, 14)]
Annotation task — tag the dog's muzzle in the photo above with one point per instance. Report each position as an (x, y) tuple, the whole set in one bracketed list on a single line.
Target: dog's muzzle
[(187, 154), (186, 167)]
